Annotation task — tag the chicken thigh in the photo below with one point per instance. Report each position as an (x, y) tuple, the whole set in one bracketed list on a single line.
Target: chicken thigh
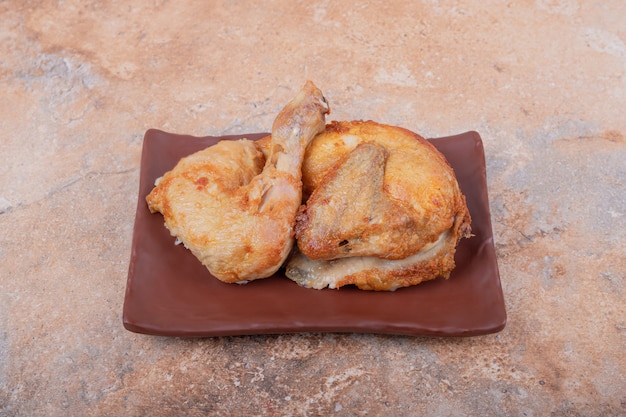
[(383, 210), (233, 205)]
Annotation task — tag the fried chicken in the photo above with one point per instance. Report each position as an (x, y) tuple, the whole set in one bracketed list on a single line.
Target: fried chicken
[(372, 205), (233, 206), (383, 210)]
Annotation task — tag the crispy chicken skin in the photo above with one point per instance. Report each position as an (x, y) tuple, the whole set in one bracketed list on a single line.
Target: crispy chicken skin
[(349, 214), (383, 210), (233, 205)]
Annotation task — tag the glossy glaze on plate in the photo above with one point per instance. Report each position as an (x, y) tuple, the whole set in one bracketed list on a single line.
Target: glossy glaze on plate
[(170, 293)]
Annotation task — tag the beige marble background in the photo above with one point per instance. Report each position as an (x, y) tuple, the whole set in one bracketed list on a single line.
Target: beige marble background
[(543, 82)]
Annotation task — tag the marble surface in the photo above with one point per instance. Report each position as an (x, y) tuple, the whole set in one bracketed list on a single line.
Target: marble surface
[(543, 82)]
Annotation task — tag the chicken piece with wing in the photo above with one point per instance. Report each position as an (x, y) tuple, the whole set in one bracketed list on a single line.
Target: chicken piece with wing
[(234, 206), (384, 210)]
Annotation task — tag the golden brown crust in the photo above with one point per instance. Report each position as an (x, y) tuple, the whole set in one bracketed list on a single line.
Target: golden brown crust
[(383, 209), (350, 214), (407, 197), (233, 205)]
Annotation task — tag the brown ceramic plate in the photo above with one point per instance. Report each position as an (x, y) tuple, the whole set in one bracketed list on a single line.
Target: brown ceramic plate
[(170, 293)]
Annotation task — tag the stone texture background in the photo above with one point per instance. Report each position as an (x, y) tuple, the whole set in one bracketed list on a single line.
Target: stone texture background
[(543, 82)]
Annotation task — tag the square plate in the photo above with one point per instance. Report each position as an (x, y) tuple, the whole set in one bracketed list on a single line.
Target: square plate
[(170, 293)]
